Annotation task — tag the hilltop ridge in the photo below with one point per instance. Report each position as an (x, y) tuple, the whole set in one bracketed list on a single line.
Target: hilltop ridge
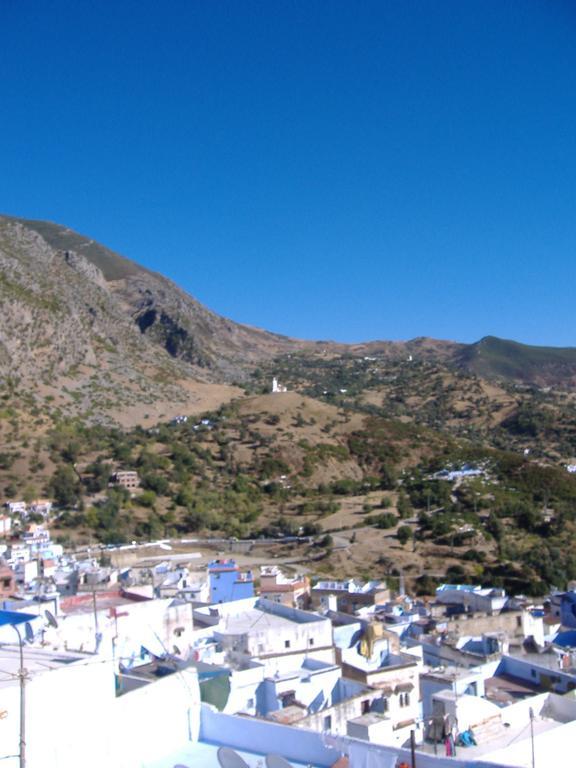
[(104, 336)]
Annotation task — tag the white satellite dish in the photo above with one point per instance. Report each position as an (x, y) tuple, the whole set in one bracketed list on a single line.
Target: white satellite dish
[(29, 632), (51, 619)]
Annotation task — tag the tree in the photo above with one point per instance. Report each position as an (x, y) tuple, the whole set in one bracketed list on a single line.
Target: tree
[(494, 527), (404, 534), (99, 476), (65, 486), (154, 482), (388, 477), (403, 506), (385, 520), (147, 499)]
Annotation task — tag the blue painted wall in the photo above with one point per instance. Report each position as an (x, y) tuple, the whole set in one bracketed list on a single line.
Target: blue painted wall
[(226, 583)]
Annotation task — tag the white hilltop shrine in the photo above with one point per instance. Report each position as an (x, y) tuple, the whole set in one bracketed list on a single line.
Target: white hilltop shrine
[(276, 387)]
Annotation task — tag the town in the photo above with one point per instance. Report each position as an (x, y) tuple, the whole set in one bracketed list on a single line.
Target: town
[(190, 658)]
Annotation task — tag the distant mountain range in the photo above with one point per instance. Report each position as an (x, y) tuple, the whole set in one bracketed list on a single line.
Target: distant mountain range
[(106, 333)]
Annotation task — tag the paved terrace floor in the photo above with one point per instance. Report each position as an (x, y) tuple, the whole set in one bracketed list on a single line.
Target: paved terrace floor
[(505, 738), (202, 754)]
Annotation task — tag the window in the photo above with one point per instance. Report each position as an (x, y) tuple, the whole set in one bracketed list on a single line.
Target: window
[(472, 689), (310, 641), (250, 704), (327, 723), (286, 643), (365, 706), (533, 672), (288, 698), (385, 704)]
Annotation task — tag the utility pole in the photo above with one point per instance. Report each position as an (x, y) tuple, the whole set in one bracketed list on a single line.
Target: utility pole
[(22, 676), (95, 611), (531, 712), (413, 748)]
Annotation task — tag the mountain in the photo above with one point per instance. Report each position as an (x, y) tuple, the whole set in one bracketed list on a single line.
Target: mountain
[(154, 305), (94, 334), (493, 358), (98, 332)]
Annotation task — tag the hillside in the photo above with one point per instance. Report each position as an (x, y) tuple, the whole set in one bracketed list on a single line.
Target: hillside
[(499, 358), (373, 494), (93, 334), (104, 338), (98, 355)]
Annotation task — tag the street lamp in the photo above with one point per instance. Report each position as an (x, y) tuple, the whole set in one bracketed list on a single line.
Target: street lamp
[(22, 673), (14, 619)]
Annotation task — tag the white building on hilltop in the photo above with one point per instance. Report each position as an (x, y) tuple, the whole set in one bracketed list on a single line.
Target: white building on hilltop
[(276, 387)]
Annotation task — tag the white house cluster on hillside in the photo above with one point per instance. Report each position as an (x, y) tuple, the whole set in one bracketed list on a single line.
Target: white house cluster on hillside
[(188, 667)]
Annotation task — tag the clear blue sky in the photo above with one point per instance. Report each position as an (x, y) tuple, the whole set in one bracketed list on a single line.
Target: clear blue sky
[(347, 170)]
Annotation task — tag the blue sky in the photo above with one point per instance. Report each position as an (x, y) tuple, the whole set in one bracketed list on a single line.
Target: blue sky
[(333, 170)]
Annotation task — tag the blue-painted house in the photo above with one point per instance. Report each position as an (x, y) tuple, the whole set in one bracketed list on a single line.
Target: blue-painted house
[(227, 582)]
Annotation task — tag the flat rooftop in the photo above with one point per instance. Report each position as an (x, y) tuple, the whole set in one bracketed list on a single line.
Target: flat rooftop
[(36, 660), (84, 602), (503, 737), (288, 715), (548, 660), (242, 623), (369, 718), (350, 586), (450, 674), (304, 671), (505, 689)]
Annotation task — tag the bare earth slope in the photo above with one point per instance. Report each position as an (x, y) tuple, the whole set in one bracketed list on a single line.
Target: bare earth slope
[(70, 334)]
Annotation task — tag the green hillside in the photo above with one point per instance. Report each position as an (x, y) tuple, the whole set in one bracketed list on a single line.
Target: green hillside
[(494, 357)]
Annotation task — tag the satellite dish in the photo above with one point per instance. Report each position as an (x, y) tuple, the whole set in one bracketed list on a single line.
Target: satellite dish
[(276, 761), (51, 619), (29, 632)]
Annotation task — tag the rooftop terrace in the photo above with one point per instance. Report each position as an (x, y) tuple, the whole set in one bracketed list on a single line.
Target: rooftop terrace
[(36, 661)]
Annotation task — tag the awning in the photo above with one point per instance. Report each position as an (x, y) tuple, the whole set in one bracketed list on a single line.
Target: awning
[(404, 688), (15, 617)]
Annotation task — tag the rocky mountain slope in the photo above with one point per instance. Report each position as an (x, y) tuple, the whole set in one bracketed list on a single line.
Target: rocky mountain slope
[(101, 334), (104, 338), (86, 273)]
